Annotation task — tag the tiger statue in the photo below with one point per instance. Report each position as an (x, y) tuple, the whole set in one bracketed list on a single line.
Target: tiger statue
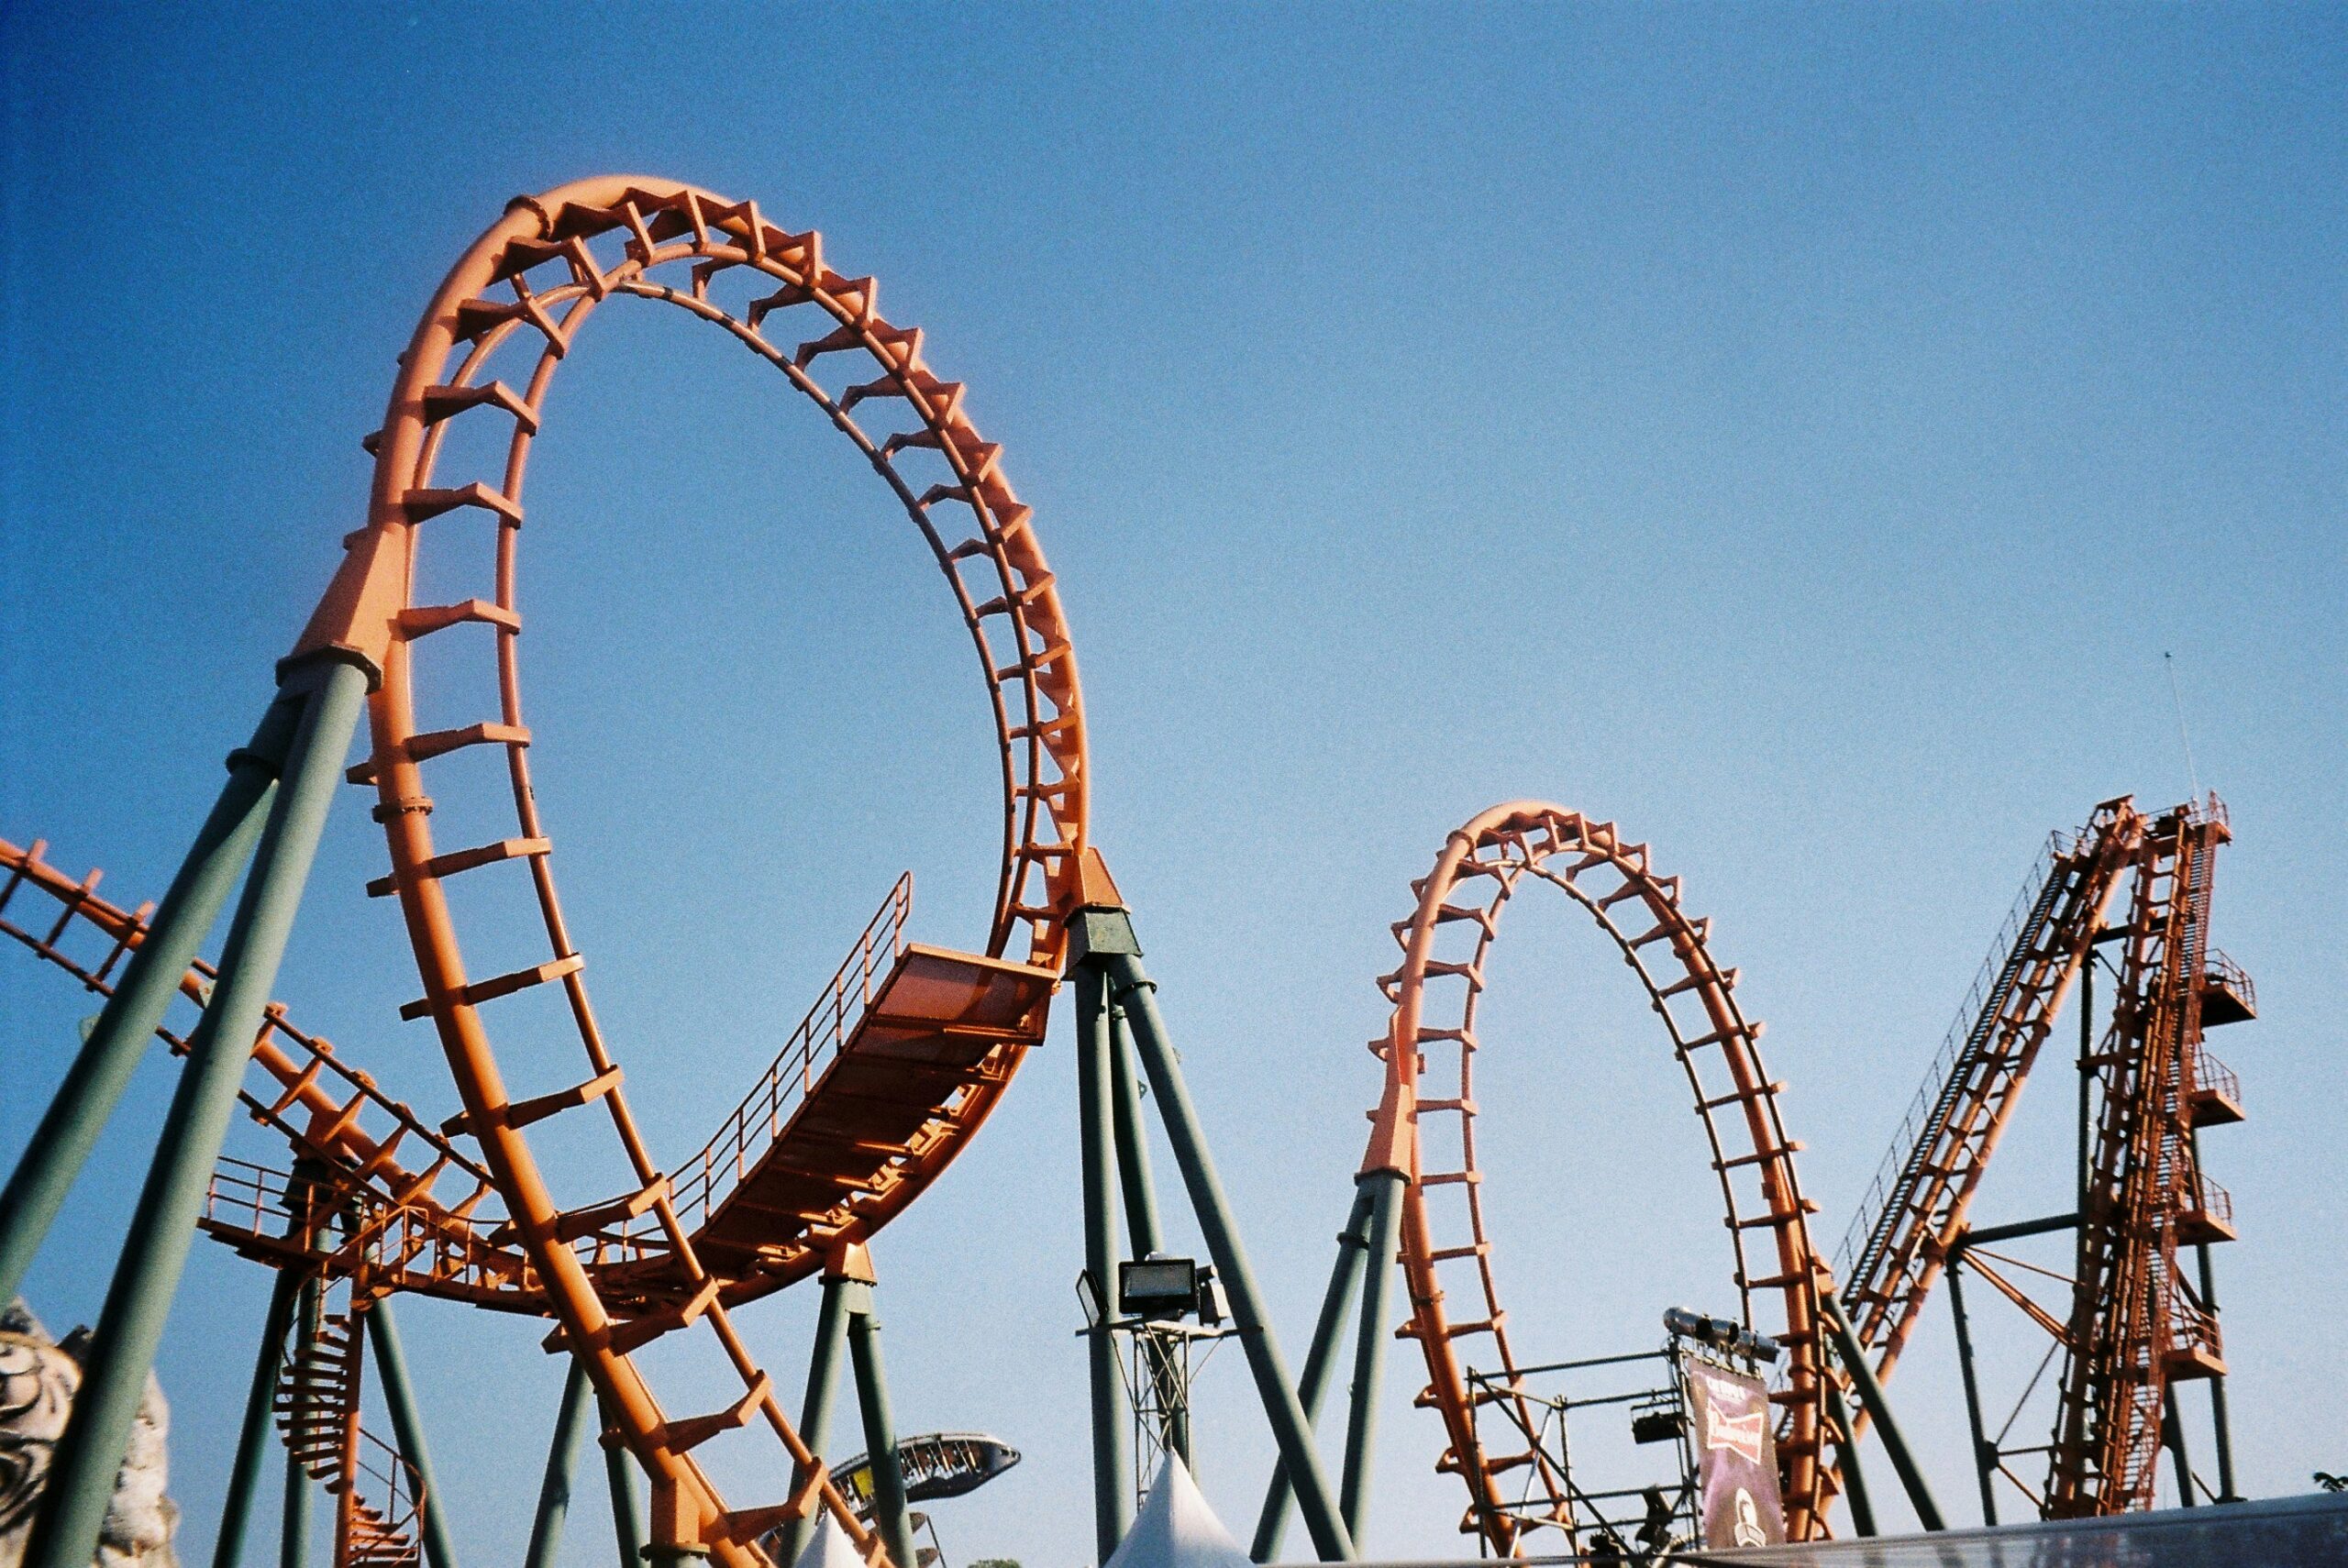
[(38, 1377)]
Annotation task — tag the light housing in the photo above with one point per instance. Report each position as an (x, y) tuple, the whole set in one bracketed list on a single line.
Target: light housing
[(1159, 1287)]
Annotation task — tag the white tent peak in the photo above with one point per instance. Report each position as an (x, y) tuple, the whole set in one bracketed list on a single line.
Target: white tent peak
[(830, 1547), (1176, 1530)]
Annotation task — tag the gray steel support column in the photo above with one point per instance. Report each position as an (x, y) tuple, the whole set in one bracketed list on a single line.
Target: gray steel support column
[(1132, 1139), (1289, 1430), (1855, 1477), (293, 1518), (122, 1352), (627, 1508), (2173, 1439), (93, 1087), (2222, 1425), (1985, 1452), (1113, 1478), (1353, 1246), (1879, 1408), (815, 1410), (879, 1432), (562, 1461), (407, 1425), (1369, 1345), (254, 1438)]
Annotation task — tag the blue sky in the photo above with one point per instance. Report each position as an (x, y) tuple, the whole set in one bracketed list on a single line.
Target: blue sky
[(1795, 433)]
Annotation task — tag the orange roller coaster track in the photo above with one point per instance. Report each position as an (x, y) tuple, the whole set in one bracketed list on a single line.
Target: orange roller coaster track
[(544, 255), (2133, 1326), (897, 1065), (1430, 1049)]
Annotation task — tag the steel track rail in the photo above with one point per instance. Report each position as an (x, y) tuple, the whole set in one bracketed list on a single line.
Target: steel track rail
[(1430, 1049), (523, 292)]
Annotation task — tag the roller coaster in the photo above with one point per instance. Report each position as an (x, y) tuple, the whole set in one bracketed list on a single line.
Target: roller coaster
[(2134, 1326), (908, 1048)]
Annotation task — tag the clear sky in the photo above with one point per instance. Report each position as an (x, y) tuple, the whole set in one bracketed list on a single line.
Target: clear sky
[(1795, 433)]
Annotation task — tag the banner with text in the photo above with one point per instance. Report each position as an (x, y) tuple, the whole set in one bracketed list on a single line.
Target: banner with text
[(1736, 1456)]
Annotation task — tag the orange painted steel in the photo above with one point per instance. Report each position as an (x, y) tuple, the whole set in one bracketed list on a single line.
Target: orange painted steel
[(910, 1048), (529, 285), (2133, 1326), (1434, 995), (934, 1031), (416, 1227), (1919, 1206), (869, 1078)]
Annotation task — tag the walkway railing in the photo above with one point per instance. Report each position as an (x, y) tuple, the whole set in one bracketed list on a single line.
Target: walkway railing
[(2211, 1202), (701, 1184), (405, 1245), (2222, 972), (2208, 1075)]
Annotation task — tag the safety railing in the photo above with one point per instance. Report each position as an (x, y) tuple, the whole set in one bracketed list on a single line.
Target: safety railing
[(398, 1483), (2206, 1200), (1962, 1030), (703, 1182), (2207, 1074), (406, 1244), (2192, 1329), (2221, 973), (310, 1066)]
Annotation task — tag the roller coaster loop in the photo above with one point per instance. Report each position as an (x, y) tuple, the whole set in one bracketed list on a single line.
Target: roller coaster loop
[(1431, 1204), (619, 1273), (897, 1065)]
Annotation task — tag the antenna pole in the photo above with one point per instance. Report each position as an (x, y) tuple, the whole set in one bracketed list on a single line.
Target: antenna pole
[(2193, 776)]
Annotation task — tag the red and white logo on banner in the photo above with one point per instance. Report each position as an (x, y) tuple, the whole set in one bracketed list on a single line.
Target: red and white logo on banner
[(1740, 1435)]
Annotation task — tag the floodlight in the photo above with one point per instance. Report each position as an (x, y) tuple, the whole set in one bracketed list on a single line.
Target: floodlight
[(1159, 1287), (1658, 1426), (1721, 1334)]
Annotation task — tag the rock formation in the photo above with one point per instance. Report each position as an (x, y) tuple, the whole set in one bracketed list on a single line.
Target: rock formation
[(38, 1377)]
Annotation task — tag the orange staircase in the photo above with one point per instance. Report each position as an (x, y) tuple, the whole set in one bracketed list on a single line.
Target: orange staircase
[(317, 1411)]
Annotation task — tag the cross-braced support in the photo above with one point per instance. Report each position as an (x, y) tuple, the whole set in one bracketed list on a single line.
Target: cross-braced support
[(1846, 1444), (1878, 1405), (1113, 1481), (286, 1296), (1105, 964), (69, 1129), (880, 1431), (627, 1504), (848, 1320), (842, 1271), (407, 1424), (325, 695), (1336, 1303)]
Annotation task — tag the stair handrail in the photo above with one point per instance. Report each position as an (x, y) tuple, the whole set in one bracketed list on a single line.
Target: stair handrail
[(403, 1497)]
